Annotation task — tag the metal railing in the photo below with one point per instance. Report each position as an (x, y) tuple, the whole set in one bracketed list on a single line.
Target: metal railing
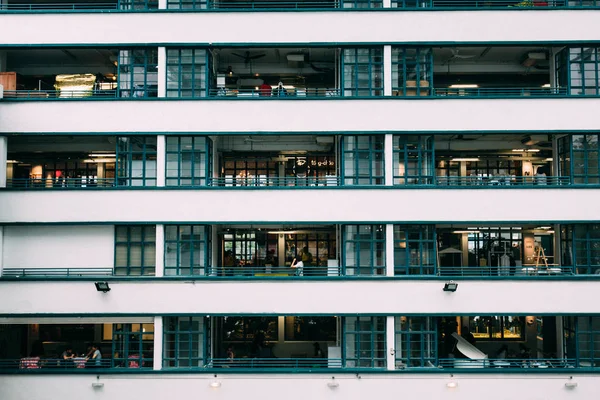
[(502, 180), (251, 5), (538, 363), (506, 271), (256, 181), (487, 4), (499, 92), (59, 94), (272, 271), (55, 272), (279, 363), (58, 6), (294, 93), (59, 183), (31, 364)]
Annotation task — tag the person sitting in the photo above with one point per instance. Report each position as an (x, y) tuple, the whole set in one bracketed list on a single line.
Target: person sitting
[(96, 355), (299, 266)]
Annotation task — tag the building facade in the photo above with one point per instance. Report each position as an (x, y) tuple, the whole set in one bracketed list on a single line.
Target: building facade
[(319, 199)]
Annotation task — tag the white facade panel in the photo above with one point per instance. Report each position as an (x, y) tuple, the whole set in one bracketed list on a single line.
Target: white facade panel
[(347, 115), (334, 205), (36, 246), (299, 386), (325, 27), (387, 297)]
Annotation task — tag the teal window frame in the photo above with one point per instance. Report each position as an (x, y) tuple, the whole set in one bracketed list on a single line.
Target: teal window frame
[(136, 163), (138, 76), (414, 160), (362, 159), (362, 72), (129, 348), (412, 4), (585, 159), (364, 342), (578, 69), (188, 161), (186, 342), (412, 64), (362, 4), (135, 250), (191, 247), (363, 250), (187, 72), (416, 342), (587, 330), (565, 157), (415, 250), (580, 244), (138, 5)]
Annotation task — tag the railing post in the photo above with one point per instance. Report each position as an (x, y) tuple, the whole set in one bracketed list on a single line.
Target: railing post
[(158, 344)]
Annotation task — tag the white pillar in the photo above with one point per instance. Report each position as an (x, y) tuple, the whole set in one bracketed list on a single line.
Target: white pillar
[(158, 344), (3, 158), (387, 3), (161, 67), (161, 160), (160, 251), (389, 250), (1, 248), (390, 338), (387, 70), (388, 159)]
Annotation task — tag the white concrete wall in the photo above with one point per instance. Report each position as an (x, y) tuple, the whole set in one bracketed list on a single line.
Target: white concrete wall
[(300, 387), (391, 114), (328, 205), (325, 27), (36, 246), (277, 297)]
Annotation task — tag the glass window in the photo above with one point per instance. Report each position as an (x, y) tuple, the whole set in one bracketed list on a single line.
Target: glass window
[(138, 5), (187, 249), (414, 250), (311, 329), (412, 71), (363, 160), (315, 248), (363, 72), (364, 339), (189, 160), (136, 161), (416, 342), (362, 4), (187, 4), (588, 341), (187, 73), (185, 342), (364, 249), (494, 327), (133, 345), (413, 160), (135, 250), (138, 75), (578, 70), (580, 246)]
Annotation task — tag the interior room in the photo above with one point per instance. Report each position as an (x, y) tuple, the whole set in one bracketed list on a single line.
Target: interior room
[(61, 161), (276, 341), (493, 71), (471, 250), (271, 250), (259, 72), (505, 159), (270, 4), (67, 345), (275, 160), (65, 5)]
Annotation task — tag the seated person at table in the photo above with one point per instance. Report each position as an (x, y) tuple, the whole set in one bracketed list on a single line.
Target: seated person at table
[(67, 354), (95, 355)]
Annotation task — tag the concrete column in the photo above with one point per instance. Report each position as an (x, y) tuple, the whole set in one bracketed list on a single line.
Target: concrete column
[(162, 4), (387, 69), (160, 250), (1, 248), (158, 343), (388, 159), (387, 3), (162, 67), (3, 159), (389, 250), (161, 160), (390, 338)]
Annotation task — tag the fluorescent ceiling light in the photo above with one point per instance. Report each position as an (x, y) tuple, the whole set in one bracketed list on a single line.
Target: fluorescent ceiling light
[(463, 86), (518, 150), (533, 150), (101, 155), (12, 161), (549, 159), (465, 159), (547, 85), (465, 231)]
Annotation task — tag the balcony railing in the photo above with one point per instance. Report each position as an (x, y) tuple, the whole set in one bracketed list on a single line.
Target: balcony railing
[(275, 93), (502, 180), (74, 365), (514, 363), (279, 363), (56, 272), (269, 271), (59, 94), (59, 183), (257, 181), (507, 271), (500, 92), (91, 6)]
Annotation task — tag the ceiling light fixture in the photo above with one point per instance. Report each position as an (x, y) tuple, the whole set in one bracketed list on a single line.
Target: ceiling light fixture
[(465, 159), (463, 86)]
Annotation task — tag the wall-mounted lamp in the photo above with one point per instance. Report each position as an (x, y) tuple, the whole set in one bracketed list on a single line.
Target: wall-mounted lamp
[(102, 287), (97, 385), (450, 286), (452, 384), (215, 384), (332, 383), (570, 383)]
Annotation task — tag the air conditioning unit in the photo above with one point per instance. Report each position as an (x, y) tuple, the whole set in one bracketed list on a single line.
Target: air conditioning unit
[(295, 57)]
